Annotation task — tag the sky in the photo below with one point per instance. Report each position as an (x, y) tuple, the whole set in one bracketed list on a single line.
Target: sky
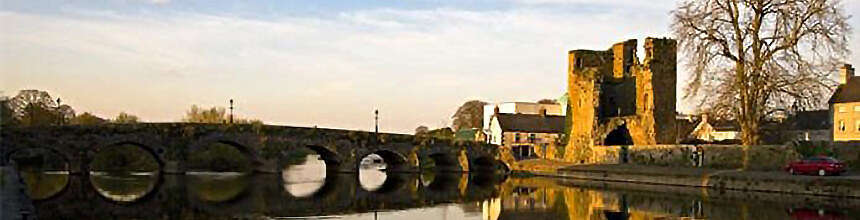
[(313, 63)]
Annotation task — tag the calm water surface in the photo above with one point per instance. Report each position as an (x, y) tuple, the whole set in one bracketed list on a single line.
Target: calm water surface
[(306, 191)]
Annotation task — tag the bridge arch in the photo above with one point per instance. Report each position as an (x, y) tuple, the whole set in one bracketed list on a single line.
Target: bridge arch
[(152, 147), (7, 157), (331, 158), (236, 143), (443, 158), (394, 161)]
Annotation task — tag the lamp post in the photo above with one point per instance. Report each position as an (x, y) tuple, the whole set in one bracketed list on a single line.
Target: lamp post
[(231, 111), (59, 111), (376, 122)]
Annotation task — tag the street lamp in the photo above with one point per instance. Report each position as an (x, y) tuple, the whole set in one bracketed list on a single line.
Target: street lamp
[(231, 111), (59, 111), (376, 121)]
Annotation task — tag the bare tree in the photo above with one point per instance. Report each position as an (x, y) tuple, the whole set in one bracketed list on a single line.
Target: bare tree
[(751, 57)]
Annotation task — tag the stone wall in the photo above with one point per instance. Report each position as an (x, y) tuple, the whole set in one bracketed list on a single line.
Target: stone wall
[(763, 157)]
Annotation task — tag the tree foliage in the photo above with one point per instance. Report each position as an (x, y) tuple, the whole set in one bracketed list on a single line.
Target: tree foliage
[(469, 115), (441, 133), (87, 119), (421, 130), (125, 118), (7, 116), (214, 115), (37, 108), (751, 57)]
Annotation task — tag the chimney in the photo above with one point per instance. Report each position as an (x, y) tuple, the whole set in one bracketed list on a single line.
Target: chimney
[(845, 73)]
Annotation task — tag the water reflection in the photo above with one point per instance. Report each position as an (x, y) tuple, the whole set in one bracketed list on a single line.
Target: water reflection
[(44, 185), (218, 187), (428, 196), (305, 179), (124, 187)]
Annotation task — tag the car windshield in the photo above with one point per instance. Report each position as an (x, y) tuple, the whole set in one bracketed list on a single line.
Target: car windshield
[(821, 159)]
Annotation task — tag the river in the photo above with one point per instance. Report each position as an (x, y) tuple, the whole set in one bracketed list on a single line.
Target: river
[(307, 192)]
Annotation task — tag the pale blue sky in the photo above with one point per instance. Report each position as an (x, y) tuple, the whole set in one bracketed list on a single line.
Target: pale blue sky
[(311, 63)]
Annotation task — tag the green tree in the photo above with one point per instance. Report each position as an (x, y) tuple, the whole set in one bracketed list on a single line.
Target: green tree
[(752, 57), (421, 130), (215, 115), (37, 108), (443, 133), (125, 118), (469, 115), (87, 119), (212, 115), (7, 116)]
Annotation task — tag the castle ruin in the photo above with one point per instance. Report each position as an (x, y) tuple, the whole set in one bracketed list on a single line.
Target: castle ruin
[(616, 100)]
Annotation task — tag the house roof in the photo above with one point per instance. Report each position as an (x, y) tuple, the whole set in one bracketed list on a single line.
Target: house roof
[(812, 120), (531, 123), (725, 125), (848, 92)]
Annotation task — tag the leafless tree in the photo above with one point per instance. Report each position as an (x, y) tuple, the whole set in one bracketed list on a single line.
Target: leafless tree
[(752, 57)]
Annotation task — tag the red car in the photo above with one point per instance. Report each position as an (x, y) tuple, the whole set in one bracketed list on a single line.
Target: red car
[(819, 165)]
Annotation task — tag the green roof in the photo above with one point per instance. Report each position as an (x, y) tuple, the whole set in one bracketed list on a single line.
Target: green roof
[(466, 134)]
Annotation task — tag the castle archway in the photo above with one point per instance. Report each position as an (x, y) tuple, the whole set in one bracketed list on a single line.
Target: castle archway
[(619, 136)]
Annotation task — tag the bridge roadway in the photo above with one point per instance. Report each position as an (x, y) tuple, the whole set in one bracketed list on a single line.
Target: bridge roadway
[(181, 197), (267, 146)]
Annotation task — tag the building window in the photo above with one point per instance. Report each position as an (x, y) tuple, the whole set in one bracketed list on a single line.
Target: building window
[(841, 125), (532, 138), (841, 109), (517, 138), (857, 108), (857, 125)]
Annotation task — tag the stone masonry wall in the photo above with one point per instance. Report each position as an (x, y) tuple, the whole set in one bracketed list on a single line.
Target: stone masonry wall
[(609, 89), (763, 157)]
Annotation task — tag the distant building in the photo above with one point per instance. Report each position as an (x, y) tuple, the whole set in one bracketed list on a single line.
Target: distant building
[(469, 134), (526, 135), (528, 108), (810, 126), (845, 106), (719, 130)]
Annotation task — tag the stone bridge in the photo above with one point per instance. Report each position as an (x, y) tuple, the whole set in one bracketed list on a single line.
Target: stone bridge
[(266, 146)]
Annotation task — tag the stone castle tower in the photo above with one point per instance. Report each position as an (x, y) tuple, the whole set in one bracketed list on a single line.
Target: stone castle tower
[(616, 100)]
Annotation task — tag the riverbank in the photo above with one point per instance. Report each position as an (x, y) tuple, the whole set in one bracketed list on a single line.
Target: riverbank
[(15, 202), (758, 181)]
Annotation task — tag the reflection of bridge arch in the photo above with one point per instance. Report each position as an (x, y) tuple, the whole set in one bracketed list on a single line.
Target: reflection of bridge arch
[(330, 186), (148, 194), (488, 164)]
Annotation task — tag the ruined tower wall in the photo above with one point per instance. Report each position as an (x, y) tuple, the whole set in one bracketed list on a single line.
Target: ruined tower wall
[(585, 71), (609, 89), (661, 62)]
